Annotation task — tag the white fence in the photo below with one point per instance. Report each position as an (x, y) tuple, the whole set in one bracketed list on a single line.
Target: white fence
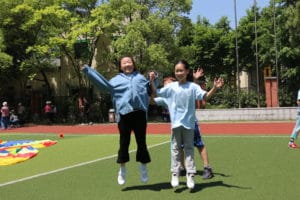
[(252, 114)]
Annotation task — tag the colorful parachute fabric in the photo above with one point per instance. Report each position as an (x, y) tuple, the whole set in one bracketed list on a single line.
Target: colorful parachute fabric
[(12, 152)]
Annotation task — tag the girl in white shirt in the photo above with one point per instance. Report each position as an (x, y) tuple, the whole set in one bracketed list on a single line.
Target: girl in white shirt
[(180, 98)]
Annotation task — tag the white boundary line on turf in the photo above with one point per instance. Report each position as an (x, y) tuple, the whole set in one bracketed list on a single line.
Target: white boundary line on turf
[(71, 167)]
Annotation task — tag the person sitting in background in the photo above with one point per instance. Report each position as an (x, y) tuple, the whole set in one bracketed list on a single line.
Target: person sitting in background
[(14, 120)]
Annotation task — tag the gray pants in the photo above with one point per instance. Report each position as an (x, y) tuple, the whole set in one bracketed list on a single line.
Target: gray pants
[(182, 136)]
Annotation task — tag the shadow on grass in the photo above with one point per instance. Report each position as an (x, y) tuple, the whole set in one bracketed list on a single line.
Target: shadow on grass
[(154, 187), (166, 185), (200, 173), (201, 186), (198, 186)]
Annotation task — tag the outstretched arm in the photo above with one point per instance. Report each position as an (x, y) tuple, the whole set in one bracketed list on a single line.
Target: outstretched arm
[(97, 79), (218, 83), (152, 77)]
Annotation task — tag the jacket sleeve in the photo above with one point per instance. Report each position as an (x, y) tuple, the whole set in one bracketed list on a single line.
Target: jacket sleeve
[(149, 88), (97, 79)]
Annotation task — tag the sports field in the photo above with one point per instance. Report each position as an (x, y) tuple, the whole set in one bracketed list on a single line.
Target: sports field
[(248, 165)]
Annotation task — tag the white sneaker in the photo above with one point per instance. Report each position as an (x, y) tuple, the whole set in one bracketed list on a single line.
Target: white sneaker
[(121, 176), (144, 173), (175, 180), (190, 181)]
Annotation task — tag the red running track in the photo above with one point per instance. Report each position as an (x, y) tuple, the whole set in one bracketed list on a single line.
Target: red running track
[(163, 128)]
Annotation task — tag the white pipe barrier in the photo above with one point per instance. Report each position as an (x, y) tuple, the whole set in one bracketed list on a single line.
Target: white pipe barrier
[(251, 114)]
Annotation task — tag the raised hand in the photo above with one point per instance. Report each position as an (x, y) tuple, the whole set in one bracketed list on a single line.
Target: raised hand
[(218, 82), (82, 66), (152, 75), (198, 73)]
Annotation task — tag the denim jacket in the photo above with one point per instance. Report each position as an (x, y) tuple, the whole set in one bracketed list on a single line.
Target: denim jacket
[(129, 92)]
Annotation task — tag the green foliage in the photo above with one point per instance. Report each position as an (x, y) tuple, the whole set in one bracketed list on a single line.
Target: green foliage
[(214, 48), (227, 98), (55, 25), (246, 40), (158, 57), (5, 59), (155, 33)]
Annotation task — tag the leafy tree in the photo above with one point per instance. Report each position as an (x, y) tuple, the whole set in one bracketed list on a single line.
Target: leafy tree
[(285, 43), (143, 29), (290, 53), (5, 59), (15, 39), (246, 39), (5, 62), (214, 47), (156, 33)]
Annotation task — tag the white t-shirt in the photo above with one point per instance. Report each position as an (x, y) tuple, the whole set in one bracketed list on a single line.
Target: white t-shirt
[(180, 99)]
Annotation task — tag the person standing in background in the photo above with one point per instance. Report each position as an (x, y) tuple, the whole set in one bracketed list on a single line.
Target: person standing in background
[(4, 115), (48, 112), (296, 129)]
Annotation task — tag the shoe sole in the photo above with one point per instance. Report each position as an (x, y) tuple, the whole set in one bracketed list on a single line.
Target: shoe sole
[(293, 147), (208, 177)]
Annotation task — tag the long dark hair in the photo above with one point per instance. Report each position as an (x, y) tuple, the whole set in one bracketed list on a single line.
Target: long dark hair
[(187, 67), (119, 63)]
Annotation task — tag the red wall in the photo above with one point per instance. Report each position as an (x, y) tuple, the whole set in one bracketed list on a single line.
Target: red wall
[(271, 88)]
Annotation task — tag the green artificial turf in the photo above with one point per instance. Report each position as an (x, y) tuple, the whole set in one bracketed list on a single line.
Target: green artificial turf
[(84, 167)]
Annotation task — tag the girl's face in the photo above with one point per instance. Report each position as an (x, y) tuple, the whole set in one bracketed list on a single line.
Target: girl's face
[(126, 65), (181, 72)]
